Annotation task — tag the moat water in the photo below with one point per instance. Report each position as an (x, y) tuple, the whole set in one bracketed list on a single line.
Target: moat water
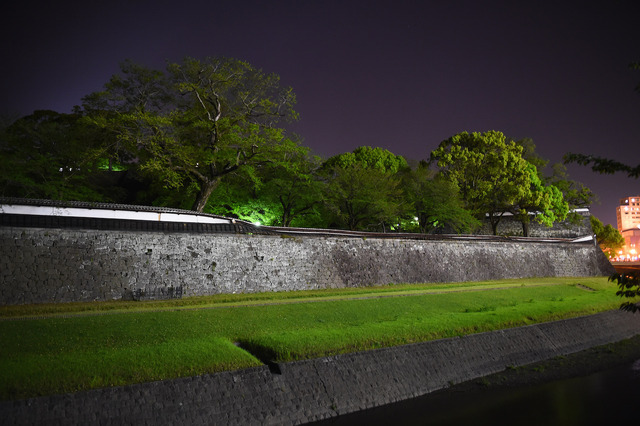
[(606, 398)]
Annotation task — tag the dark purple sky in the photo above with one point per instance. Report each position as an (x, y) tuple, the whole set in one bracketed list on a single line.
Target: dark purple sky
[(402, 75)]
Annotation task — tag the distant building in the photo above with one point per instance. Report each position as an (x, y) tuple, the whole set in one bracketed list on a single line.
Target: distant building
[(628, 214)]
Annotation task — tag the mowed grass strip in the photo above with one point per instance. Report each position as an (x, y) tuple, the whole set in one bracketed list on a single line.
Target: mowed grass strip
[(251, 299), (58, 355)]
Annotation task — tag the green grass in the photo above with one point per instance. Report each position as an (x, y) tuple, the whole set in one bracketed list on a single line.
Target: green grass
[(249, 299), (106, 344)]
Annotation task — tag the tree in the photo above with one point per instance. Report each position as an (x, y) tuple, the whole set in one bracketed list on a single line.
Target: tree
[(628, 287), (282, 192), (602, 165), (195, 122), (489, 172), (293, 182), (370, 158), (539, 202), (363, 189), (574, 193), (239, 196), (436, 203), (530, 154), (49, 155), (608, 238)]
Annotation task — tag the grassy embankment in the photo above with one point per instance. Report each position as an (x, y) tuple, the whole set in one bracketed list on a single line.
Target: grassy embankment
[(79, 346)]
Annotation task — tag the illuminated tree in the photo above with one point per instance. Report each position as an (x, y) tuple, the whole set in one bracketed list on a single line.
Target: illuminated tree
[(542, 203), (363, 189), (489, 172), (239, 197), (195, 122), (575, 193), (282, 192), (608, 238), (293, 183)]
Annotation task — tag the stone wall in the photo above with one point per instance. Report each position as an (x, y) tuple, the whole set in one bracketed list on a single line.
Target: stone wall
[(316, 389), (508, 225), (63, 265)]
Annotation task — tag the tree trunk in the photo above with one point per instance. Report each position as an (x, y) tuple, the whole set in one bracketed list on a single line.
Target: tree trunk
[(286, 218), (525, 229), (287, 208), (206, 189), (494, 220), (494, 227)]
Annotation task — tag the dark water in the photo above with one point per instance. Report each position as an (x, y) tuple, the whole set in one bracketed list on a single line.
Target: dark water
[(606, 398)]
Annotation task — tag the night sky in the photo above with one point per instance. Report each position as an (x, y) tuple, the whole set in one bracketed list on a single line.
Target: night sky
[(402, 75)]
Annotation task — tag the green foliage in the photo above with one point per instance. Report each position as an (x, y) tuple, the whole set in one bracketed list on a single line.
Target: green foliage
[(496, 176), (50, 155), (628, 287), (291, 181), (602, 165), (530, 154), (363, 190), (363, 199), (608, 238), (489, 172), (195, 122), (107, 164), (283, 191), (540, 202), (239, 196), (436, 202), (367, 157), (574, 193)]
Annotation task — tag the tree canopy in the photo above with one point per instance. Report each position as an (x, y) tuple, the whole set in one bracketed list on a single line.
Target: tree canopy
[(282, 192), (608, 238), (488, 170), (435, 202), (496, 175), (540, 202), (370, 158), (602, 165), (363, 189), (49, 155), (196, 121)]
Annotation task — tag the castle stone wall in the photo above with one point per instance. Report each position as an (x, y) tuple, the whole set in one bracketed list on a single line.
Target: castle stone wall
[(64, 265)]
